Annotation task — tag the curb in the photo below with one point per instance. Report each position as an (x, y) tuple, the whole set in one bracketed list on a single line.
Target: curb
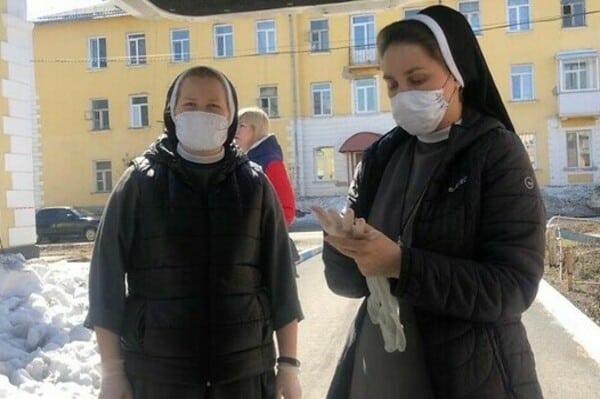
[(583, 330), (309, 253)]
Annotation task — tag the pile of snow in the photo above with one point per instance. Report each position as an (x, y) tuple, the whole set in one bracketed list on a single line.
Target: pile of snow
[(574, 200), (44, 349)]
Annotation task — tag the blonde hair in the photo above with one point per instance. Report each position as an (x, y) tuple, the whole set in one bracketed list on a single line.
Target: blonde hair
[(257, 118)]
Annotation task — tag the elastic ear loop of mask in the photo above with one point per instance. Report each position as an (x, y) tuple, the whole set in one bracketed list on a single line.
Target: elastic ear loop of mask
[(174, 93), (455, 87)]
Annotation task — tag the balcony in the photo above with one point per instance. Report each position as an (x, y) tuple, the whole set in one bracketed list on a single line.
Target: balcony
[(363, 57), (579, 104)]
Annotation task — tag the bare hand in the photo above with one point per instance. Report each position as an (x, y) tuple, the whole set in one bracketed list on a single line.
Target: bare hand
[(333, 223), (288, 385), (374, 253)]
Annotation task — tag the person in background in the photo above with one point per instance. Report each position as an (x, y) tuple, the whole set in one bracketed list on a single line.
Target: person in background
[(444, 236), (253, 138), (191, 272)]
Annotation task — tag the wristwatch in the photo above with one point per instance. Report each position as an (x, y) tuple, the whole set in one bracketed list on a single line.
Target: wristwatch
[(289, 360)]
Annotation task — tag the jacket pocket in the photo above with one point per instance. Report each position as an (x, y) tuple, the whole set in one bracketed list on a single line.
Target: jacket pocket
[(498, 359)]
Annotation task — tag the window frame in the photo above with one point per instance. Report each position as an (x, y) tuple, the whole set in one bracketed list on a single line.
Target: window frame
[(572, 17), (366, 26), (521, 75), (323, 45), (593, 78), (355, 94), (270, 100), (316, 150), (517, 27), (534, 150), (100, 114), (98, 56), (224, 36), (321, 92), (137, 59), (409, 12), (140, 113), (185, 56), (103, 176), (577, 133), (468, 15), (267, 32)]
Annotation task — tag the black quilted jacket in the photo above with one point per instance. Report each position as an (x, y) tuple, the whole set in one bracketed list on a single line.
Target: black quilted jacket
[(473, 266)]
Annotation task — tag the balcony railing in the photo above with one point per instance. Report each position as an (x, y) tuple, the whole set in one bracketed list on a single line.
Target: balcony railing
[(579, 103), (363, 56)]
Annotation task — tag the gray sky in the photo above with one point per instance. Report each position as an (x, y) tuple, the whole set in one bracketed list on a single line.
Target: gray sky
[(36, 8)]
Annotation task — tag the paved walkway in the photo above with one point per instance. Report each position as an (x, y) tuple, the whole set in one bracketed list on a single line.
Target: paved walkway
[(565, 370)]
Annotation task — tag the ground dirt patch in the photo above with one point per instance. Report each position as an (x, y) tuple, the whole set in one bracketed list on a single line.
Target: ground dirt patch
[(585, 291)]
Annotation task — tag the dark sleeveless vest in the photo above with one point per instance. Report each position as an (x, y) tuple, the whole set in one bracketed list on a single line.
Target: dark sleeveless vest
[(197, 295)]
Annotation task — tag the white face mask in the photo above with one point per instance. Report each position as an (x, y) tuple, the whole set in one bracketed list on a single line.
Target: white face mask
[(419, 112), (201, 131)]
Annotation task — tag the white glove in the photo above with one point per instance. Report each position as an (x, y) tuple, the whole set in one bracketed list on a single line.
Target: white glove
[(114, 381), (288, 383), (384, 310)]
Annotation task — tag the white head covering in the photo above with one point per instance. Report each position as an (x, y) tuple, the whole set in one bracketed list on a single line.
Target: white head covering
[(440, 37), (230, 103)]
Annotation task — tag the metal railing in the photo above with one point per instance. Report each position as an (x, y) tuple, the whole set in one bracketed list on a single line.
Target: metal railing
[(363, 55), (580, 244)]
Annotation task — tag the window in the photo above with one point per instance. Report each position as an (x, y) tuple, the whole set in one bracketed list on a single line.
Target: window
[(529, 141), (100, 119), (138, 111), (578, 149), (365, 96), (411, 12), (573, 13), (180, 45), (522, 82), (103, 176), (321, 99), (319, 35), (266, 34), (470, 9), (136, 47), (97, 49), (325, 164), (223, 41), (364, 51), (579, 74), (518, 15), (268, 100)]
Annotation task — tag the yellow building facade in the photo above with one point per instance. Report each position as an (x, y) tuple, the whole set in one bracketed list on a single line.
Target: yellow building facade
[(18, 131), (102, 74)]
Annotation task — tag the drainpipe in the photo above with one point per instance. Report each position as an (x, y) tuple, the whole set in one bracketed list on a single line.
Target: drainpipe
[(298, 148)]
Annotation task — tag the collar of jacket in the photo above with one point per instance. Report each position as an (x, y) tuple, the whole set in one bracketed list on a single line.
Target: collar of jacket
[(162, 151), (474, 126)]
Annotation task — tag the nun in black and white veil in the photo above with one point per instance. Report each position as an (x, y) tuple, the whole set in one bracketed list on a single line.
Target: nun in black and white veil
[(444, 235)]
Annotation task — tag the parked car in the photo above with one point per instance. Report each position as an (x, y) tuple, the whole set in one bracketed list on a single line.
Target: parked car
[(60, 222)]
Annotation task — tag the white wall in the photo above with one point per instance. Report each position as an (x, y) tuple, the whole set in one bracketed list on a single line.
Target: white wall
[(557, 144), (333, 132), (20, 124)]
